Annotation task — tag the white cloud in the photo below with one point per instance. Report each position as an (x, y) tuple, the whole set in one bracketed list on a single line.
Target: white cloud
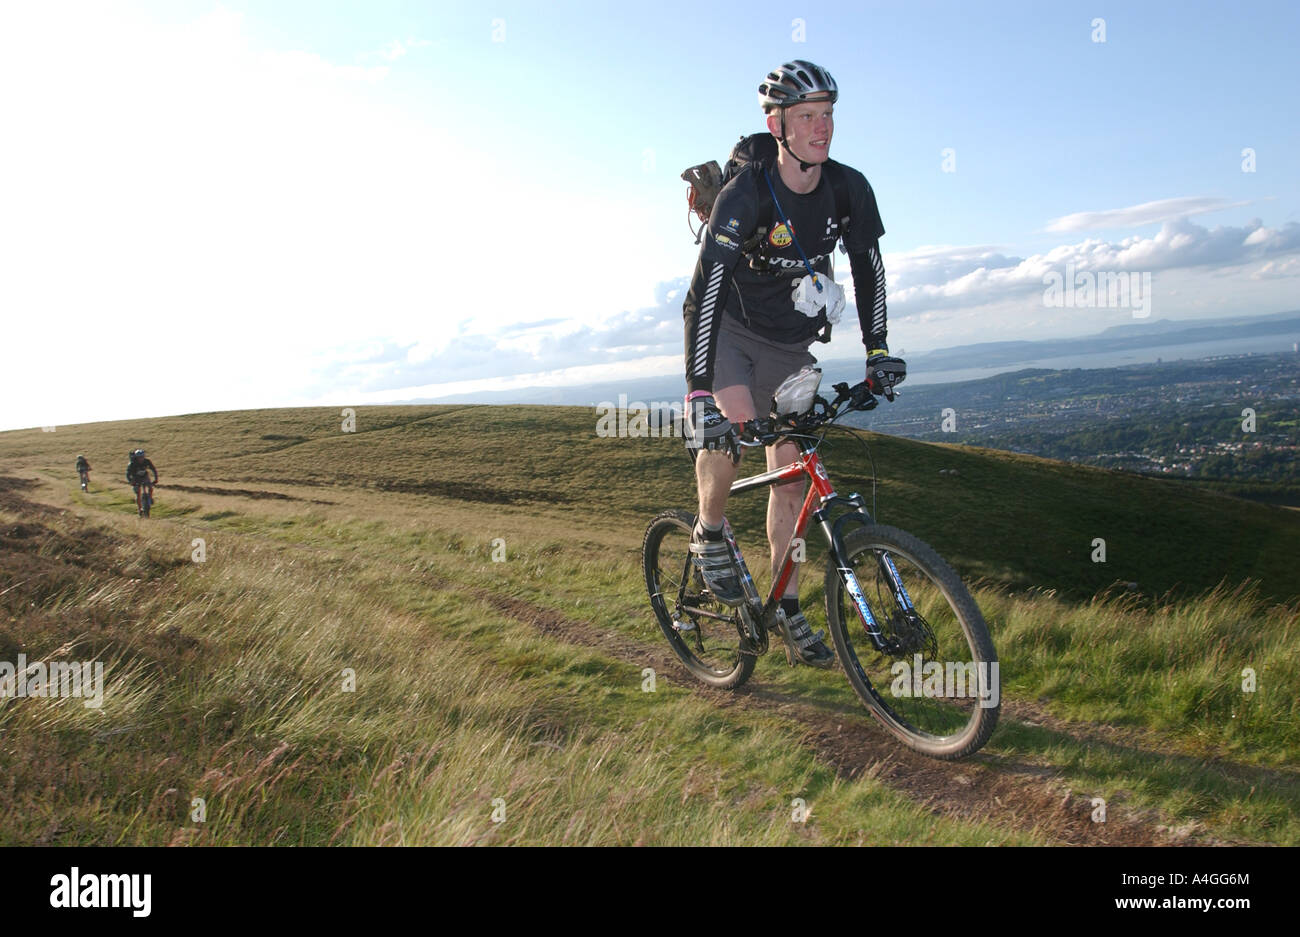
[(1163, 210), (933, 277), (1277, 269), (937, 296)]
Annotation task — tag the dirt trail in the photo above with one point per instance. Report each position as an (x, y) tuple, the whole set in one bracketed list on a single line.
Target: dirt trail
[(256, 494), (999, 790)]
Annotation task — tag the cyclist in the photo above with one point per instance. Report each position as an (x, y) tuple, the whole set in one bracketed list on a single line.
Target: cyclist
[(83, 470), (744, 341), (137, 476)]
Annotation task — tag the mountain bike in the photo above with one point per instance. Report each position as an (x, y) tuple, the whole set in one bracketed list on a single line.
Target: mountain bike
[(907, 633), (143, 497), (84, 474)]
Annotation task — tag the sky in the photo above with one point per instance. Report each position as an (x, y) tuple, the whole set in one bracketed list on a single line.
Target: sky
[(269, 203)]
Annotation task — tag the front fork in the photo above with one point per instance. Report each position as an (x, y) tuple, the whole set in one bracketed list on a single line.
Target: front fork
[(849, 579)]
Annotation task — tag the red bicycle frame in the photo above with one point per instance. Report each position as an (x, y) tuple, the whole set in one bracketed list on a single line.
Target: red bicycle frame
[(809, 463)]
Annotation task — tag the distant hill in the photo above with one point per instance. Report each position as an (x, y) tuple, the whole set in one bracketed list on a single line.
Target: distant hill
[(1015, 518), (929, 367)]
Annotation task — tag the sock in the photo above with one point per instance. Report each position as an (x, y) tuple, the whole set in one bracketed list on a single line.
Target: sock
[(790, 605), (708, 532)]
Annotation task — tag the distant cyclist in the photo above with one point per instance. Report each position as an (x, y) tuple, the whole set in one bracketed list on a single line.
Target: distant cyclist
[(137, 476), (83, 470)]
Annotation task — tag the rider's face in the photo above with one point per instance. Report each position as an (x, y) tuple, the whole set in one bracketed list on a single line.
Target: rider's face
[(808, 130)]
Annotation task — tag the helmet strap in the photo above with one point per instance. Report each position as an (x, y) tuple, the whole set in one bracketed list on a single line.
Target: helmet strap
[(803, 167)]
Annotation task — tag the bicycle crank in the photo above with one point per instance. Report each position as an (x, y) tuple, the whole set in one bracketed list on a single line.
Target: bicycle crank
[(753, 636)]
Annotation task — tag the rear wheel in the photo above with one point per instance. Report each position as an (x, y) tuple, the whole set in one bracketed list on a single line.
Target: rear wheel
[(703, 632), (936, 685)]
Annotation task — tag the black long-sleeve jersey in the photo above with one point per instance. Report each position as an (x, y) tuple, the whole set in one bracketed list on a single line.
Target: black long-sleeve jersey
[(762, 300), (138, 472)]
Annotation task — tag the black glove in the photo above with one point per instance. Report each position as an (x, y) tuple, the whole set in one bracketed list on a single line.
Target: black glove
[(884, 372), (707, 428)]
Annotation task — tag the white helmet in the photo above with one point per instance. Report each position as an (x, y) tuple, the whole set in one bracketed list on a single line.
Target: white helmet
[(795, 82)]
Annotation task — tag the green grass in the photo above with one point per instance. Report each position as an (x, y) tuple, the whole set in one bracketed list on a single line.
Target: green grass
[(226, 682), (1020, 519), (226, 678)]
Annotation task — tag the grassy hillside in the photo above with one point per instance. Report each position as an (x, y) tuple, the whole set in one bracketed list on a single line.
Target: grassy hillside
[(524, 681), (1019, 519)]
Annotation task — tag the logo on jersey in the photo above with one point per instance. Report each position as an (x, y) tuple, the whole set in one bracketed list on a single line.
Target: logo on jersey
[(786, 263), (780, 236), (725, 241)]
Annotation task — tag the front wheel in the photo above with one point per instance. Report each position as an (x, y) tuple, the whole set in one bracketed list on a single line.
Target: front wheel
[(936, 685), (703, 632)]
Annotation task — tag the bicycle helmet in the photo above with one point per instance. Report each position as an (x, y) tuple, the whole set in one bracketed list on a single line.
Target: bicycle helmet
[(139, 454), (793, 83)]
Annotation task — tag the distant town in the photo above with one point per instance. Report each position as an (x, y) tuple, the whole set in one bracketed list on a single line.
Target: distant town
[(1230, 420)]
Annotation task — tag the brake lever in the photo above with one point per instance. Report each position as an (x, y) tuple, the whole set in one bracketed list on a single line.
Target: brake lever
[(755, 430), (862, 398)]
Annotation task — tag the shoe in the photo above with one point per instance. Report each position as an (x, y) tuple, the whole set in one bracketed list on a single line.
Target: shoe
[(800, 641), (713, 560)]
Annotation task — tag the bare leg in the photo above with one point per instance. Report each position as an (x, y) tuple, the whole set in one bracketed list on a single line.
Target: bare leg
[(783, 504), (714, 471)]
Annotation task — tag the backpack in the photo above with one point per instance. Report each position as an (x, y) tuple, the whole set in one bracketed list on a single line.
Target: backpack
[(760, 150), (707, 179)]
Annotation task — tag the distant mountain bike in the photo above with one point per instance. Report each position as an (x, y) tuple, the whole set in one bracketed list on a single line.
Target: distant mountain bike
[(85, 478), (143, 497), (907, 632)]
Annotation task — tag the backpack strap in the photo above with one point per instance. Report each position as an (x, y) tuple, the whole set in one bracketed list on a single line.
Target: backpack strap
[(766, 213), (766, 207), (840, 186)]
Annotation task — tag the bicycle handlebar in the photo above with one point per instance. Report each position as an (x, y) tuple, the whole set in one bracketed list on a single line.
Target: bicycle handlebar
[(764, 432)]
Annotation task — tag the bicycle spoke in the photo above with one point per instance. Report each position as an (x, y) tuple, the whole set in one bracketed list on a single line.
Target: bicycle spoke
[(935, 684), (703, 632)]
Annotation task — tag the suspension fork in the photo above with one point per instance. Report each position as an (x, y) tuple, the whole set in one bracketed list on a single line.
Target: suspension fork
[(848, 578), (886, 563)]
